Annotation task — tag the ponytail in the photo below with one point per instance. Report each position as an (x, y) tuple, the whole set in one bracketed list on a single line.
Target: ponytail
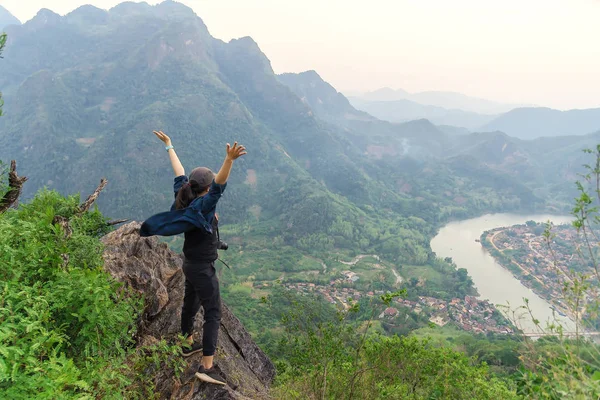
[(188, 192)]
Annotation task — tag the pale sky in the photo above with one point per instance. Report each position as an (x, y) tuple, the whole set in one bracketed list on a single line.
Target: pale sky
[(544, 52)]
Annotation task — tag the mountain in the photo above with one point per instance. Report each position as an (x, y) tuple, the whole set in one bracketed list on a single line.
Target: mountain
[(544, 168), (84, 92), (412, 150), (448, 100), (548, 166), (418, 139), (321, 97), (6, 18), (407, 110), (453, 130), (531, 123)]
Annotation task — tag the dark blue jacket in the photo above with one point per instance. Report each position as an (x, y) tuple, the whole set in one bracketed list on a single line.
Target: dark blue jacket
[(198, 215)]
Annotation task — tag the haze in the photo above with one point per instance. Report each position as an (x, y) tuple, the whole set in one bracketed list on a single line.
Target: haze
[(542, 52)]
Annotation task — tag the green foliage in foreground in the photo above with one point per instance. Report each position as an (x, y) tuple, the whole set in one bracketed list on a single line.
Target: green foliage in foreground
[(324, 356), (66, 327), (399, 368), (560, 368)]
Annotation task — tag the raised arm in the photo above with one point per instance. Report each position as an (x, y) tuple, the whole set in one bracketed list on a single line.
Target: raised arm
[(233, 153), (175, 163)]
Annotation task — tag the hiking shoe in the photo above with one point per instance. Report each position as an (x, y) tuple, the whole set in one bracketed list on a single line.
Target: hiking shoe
[(210, 375), (189, 349)]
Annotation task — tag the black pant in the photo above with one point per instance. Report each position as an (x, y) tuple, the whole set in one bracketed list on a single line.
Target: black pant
[(202, 289)]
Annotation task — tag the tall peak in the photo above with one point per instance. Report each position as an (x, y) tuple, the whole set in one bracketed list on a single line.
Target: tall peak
[(6, 18), (43, 18)]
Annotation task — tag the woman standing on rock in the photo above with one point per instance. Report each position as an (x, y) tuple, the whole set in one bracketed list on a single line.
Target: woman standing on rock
[(194, 214)]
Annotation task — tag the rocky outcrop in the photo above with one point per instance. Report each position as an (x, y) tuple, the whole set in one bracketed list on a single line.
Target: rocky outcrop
[(150, 268)]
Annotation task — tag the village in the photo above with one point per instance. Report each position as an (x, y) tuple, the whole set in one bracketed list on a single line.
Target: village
[(470, 314), (544, 268)]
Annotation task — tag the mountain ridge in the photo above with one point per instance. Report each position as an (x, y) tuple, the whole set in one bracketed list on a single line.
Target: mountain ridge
[(405, 110), (535, 122), (317, 93), (526, 162), (6, 18), (444, 99)]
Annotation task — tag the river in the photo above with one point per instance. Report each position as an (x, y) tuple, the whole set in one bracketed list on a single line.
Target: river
[(493, 282)]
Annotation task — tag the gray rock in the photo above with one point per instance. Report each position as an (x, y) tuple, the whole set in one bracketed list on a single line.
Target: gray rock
[(151, 268)]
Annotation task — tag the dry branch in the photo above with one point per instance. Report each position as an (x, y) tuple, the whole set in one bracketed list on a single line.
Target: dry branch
[(15, 185), (117, 222), (85, 206)]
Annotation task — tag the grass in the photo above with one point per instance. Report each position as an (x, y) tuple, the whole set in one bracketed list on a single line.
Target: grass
[(426, 272), (439, 334)]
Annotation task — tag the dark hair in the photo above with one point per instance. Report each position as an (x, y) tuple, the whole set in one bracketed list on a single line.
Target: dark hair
[(188, 192)]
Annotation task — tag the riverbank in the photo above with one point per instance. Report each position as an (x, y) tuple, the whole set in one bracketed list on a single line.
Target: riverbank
[(523, 250), (457, 240)]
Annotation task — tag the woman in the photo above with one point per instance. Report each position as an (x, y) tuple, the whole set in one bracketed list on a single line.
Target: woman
[(194, 213)]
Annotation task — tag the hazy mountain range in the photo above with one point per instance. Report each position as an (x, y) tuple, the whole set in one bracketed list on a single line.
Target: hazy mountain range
[(448, 100), (531, 123), (407, 110), (477, 115), (547, 165)]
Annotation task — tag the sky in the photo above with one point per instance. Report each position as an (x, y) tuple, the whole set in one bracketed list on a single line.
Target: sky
[(542, 52)]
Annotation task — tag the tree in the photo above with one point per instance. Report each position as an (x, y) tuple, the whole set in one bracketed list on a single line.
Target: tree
[(326, 357), (572, 363)]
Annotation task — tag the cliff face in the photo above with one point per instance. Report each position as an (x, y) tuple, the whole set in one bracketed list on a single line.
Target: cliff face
[(151, 268)]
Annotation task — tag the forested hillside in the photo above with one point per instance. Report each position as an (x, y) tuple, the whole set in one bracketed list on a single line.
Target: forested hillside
[(84, 92)]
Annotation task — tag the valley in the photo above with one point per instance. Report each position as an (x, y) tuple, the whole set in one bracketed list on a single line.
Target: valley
[(394, 214)]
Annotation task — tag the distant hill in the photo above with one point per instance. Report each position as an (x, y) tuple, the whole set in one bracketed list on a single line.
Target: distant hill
[(321, 97), (543, 168), (407, 110), (417, 137), (6, 18), (448, 100), (453, 130), (531, 123)]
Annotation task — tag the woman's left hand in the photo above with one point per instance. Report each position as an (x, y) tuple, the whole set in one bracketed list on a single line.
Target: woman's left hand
[(162, 136)]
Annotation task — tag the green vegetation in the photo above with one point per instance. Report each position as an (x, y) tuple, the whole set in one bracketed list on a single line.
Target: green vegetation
[(63, 315), (325, 355), (66, 326)]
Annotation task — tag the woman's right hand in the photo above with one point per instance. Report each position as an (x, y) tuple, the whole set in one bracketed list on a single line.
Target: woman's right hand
[(162, 136), (235, 152)]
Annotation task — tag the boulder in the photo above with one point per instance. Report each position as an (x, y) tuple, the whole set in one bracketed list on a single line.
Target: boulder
[(152, 269)]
